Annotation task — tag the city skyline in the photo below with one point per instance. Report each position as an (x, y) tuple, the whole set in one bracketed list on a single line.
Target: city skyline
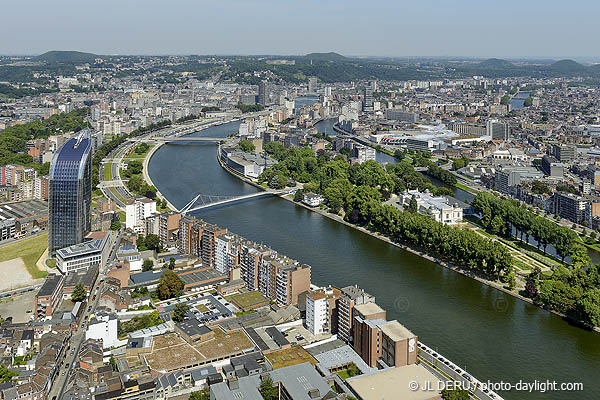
[(510, 29)]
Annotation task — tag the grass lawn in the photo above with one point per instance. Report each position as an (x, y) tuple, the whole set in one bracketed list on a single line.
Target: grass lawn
[(51, 262), (202, 308), (465, 187), (343, 374), (483, 232), (122, 216), (134, 156), (29, 250), (247, 300), (107, 171), (520, 265)]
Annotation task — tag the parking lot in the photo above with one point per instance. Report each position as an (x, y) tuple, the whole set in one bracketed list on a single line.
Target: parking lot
[(203, 306), (17, 306)]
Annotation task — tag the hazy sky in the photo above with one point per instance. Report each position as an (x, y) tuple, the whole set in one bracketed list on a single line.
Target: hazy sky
[(478, 28)]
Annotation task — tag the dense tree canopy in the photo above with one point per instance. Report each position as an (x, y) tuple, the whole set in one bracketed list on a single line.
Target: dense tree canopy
[(169, 285), (357, 193)]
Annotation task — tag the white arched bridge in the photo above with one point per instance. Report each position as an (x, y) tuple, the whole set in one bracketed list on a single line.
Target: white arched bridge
[(202, 201)]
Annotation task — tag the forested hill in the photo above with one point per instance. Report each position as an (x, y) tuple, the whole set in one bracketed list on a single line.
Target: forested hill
[(71, 57)]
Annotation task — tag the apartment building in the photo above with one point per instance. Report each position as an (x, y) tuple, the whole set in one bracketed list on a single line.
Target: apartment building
[(209, 234), (350, 297), (136, 211), (321, 310), (382, 343), (572, 207), (49, 296)]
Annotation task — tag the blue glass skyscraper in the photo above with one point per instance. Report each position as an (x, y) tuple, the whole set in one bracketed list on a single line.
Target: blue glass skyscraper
[(70, 193)]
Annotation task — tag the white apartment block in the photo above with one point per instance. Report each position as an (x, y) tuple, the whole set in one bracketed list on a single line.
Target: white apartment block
[(137, 211), (103, 326), (316, 313)]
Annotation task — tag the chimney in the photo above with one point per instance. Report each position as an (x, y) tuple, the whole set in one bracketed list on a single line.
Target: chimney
[(233, 383)]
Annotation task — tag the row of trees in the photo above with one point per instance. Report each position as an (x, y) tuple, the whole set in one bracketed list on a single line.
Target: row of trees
[(357, 193), (115, 142), (501, 215), (441, 174)]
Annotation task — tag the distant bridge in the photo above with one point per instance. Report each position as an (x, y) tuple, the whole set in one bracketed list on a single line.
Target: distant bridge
[(187, 139), (202, 201)]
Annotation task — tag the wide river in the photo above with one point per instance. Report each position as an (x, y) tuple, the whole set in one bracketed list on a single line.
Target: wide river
[(495, 336)]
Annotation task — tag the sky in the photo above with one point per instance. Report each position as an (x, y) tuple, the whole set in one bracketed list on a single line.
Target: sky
[(464, 28)]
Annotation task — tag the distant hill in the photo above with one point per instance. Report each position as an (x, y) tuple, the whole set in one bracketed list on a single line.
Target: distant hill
[(595, 68), (567, 67), (496, 63), (56, 56), (331, 56)]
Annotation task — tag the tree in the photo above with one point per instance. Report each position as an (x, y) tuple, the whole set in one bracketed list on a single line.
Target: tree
[(203, 394), (579, 257), (531, 289), (455, 394), (413, 206), (79, 293), (172, 263), (509, 277), (589, 307), (115, 225), (169, 285), (152, 242), (246, 146), (179, 312), (267, 390), (6, 375), (299, 196), (112, 362), (147, 264)]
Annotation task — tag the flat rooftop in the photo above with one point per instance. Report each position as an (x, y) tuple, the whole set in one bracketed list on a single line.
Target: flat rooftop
[(170, 352), (290, 356), (23, 209), (49, 285), (369, 308), (396, 331), (81, 249), (393, 383)]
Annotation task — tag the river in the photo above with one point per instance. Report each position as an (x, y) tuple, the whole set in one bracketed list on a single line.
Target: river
[(495, 336), (518, 101)]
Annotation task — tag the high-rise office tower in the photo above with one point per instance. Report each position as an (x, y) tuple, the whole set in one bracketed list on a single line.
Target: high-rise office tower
[(312, 85), (263, 93), (497, 129), (70, 192), (368, 98)]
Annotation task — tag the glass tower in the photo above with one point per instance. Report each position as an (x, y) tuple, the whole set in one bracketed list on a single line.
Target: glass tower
[(70, 193)]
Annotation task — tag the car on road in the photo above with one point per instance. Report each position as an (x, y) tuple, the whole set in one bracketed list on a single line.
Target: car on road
[(29, 311)]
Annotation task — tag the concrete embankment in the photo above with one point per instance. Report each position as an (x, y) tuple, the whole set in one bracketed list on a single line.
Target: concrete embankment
[(147, 175)]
